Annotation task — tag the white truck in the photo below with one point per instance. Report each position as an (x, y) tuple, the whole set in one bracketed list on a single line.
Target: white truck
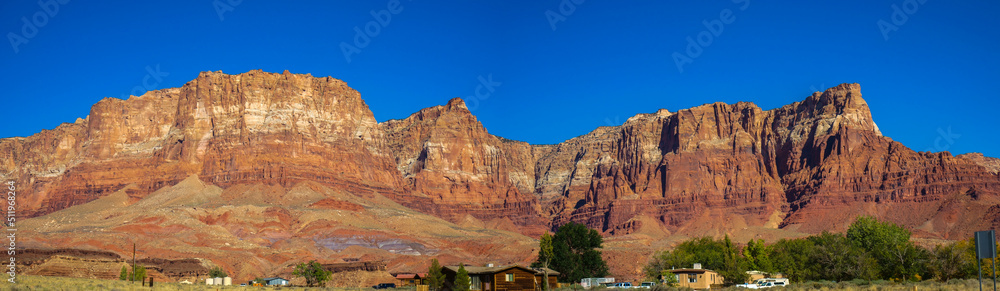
[(766, 283)]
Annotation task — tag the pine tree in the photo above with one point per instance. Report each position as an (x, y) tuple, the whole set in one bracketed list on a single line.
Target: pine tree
[(435, 276), (124, 274), (462, 280)]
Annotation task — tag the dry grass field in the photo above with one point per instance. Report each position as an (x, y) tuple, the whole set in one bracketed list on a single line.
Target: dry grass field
[(63, 283), (826, 286), (74, 284)]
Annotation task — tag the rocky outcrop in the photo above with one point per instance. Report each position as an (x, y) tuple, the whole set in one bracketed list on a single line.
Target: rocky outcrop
[(228, 129), (271, 129), (263, 133), (446, 156), (808, 166), (991, 164)]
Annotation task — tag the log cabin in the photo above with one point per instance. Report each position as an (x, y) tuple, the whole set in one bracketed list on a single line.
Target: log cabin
[(507, 278)]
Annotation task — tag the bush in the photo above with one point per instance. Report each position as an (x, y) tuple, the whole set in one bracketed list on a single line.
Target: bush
[(217, 272), (313, 272)]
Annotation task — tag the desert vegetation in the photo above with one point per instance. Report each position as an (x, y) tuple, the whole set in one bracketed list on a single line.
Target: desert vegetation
[(574, 251), (870, 251), (26, 282), (313, 272), (857, 285)]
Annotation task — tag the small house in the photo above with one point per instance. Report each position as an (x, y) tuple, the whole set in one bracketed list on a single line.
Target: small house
[(275, 281), (410, 279), (508, 278), (698, 278)]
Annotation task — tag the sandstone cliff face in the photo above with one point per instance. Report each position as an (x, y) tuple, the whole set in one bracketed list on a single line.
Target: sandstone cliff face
[(808, 166), (228, 129), (444, 154), (717, 165), (991, 164)]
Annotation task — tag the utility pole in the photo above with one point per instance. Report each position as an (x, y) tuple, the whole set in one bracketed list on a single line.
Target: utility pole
[(132, 279)]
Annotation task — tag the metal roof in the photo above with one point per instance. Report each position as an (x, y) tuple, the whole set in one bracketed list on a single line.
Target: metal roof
[(473, 270)]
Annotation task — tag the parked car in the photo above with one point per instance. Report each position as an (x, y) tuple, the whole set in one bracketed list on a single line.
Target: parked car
[(621, 285), (385, 286), (765, 283)]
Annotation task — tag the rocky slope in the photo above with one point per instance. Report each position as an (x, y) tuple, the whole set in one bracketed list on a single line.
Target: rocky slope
[(820, 158), (444, 154), (274, 129), (288, 146)]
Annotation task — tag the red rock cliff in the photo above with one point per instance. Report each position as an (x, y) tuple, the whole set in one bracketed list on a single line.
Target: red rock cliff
[(808, 166)]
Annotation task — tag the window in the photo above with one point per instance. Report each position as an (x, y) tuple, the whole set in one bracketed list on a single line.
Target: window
[(510, 277), (692, 278), (475, 282)]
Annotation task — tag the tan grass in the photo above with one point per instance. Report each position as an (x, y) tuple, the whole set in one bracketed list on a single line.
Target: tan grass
[(73, 284), (967, 284)]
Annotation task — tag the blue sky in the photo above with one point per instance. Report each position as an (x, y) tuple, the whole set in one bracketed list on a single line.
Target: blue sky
[(930, 80)]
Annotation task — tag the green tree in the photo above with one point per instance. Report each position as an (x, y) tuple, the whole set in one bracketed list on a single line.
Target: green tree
[(837, 259), (545, 254), (889, 244), (435, 276), (953, 261), (217, 272), (792, 258), (575, 253), (140, 273), (732, 270), (704, 250), (124, 274), (313, 272), (669, 278), (719, 255), (462, 280), (758, 256)]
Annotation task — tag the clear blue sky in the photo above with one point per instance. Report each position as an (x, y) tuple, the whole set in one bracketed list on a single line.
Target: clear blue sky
[(604, 62)]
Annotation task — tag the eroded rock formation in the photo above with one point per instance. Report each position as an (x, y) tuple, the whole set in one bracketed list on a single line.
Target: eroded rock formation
[(808, 166)]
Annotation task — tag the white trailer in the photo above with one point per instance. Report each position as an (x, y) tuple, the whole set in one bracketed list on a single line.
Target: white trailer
[(595, 282)]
